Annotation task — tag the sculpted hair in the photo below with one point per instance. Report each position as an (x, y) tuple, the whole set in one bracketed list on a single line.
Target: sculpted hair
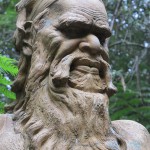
[(28, 24), (27, 28)]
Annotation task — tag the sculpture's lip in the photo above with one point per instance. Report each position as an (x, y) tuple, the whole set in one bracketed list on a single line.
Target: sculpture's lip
[(88, 63), (86, 69)]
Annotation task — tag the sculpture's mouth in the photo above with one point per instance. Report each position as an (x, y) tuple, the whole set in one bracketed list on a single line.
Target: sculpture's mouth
[(86, 65), (80, 72), (87, 75)]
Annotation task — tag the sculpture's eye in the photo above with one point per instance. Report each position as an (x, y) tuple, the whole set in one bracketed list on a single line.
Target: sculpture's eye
[(102, 41), (74, 32), (100, 36)]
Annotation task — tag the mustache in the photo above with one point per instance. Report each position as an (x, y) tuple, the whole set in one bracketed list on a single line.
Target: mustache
[(60, 69)]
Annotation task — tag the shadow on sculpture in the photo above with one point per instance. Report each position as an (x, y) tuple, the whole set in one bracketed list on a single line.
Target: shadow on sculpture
[(64, 84)]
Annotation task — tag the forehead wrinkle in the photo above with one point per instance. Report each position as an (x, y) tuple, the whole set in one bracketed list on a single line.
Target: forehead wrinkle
[(88, 16), (98, 19), (93, 13)]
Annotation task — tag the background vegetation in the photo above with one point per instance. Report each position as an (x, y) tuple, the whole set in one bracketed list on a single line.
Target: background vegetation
[(129, 49)]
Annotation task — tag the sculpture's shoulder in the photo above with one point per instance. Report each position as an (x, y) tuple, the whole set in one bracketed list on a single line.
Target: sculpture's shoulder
[(9, 139), (136, 135)]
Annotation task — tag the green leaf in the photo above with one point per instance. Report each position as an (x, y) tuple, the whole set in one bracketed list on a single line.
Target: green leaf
[(145, 110), (7, 93), (120, 113), (4, 81), (7, 65), (2, 107)]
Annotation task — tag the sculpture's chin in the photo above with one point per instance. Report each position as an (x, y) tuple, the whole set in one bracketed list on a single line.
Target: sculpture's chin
[(86, 79)]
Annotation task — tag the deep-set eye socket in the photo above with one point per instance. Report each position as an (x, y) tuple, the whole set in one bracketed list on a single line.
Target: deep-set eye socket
[(72, 32)]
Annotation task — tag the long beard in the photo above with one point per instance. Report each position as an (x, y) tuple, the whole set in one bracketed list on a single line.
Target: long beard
[(74, 119)]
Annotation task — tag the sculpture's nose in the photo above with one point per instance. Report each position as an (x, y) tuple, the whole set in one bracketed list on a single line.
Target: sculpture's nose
[(90, 44)]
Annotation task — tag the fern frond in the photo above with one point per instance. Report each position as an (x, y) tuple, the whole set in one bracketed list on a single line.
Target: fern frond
[(7, 93), (7, 65), (2, 107), (4, 81)]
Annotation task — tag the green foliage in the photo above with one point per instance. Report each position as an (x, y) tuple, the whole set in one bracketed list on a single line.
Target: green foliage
[(5, 91), (4, 81), (7, 21), (2, 107), (129, 55), (128, 105), (7, 14), (7, 27), (7, 66)]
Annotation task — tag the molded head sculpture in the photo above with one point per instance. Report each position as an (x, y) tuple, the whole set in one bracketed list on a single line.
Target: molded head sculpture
[(63, 85), (64, 81)]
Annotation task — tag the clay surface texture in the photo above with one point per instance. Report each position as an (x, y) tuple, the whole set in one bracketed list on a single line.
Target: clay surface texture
[(64, 82)]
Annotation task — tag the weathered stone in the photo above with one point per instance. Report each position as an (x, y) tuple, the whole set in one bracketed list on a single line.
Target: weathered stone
[(64, 83)]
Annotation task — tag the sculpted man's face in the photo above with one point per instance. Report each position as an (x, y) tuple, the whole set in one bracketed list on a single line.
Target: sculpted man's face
[(74, 33), (67, 84)]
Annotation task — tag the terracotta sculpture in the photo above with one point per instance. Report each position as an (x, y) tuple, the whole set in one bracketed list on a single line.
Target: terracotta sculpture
[(64, 84)]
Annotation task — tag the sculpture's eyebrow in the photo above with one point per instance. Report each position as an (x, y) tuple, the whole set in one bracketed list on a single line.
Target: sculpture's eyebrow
[(101, 30), (81, 22), (74, 20)]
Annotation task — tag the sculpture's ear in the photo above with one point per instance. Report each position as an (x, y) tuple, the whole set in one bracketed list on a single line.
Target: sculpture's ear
[(24, 8), (22, 38), (27, 39), (20, 31), (23, 43)]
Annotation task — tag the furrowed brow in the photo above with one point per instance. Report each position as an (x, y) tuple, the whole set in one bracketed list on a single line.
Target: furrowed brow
[(73, 20)]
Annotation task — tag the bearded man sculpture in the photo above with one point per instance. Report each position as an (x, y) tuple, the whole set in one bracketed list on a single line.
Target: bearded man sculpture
[(64, 84)]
